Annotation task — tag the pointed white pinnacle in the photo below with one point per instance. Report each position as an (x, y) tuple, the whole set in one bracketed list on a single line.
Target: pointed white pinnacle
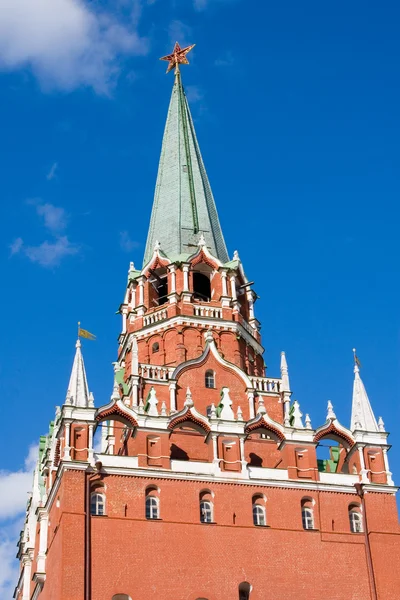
[(330, 414), (297, 414), (141, 407), (202, 241), (236, 255), (261, 410), (239, 414), (213, 412), (308, 422), (381, 424), (163, 412), (226, 402), (189, 400), (115, 393), (157, 246), (131, 266), (91, 400), (152, 402)]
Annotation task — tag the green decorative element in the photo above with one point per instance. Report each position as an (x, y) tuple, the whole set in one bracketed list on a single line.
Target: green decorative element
[(184, 207), (329, 465), (120, 379)]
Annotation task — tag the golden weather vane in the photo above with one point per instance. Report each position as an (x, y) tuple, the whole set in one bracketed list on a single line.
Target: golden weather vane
[(178, 57)]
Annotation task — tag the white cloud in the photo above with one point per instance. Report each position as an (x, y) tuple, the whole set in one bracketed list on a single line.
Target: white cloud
[(8, 565), (16, 246), (200, 4), (126, 243), (179, 32), (16, 486), (52, 173), (225, 61), (54, 217), (50, 254), (66, 43), (193, 93)]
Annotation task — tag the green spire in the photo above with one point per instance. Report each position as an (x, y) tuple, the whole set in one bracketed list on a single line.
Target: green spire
[(184, 206)]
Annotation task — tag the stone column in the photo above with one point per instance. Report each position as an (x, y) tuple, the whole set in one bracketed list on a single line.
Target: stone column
[(172, 396), (27, 562), (388, 472), (214, 438), (67, 449), (363, 472), (185, 269), (250, 396), (90, 444), (41, 557), (242, 457)]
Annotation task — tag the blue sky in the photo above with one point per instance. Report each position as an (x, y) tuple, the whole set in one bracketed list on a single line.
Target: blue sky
[(296, 111)]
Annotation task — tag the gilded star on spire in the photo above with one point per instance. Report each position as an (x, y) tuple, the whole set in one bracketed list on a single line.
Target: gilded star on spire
[(178, 57)]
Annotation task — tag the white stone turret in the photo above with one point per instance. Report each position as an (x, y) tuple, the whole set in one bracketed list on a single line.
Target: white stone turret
[(362, 416), (285, 389), (78, 391)]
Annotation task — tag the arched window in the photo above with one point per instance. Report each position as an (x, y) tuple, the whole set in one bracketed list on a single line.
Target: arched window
[(206, 507), (355, 518), (209, 379), (201, 287), (121, 597), (152, 506), (307, 513), (244, 591), (97, 504), (155, 347), (259, 512)]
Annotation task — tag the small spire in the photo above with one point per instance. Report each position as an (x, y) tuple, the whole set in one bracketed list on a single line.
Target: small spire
[(308, 422), (202, 241), (362, 415), (152, 403), (78, 391), (239, 414), (141, 406), (189, 400), (261, 410), (157, 246), (163, 412), (236, 255), (381, 424), (213, 411), (285, 385), (296, 416), (226, 403), (115, 393), (330, 414), (131, 266)]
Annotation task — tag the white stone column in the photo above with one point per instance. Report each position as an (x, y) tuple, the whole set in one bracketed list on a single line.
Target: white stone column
[(27, 562), (135, 391), (132, 303), (224, 283), (140, 307), (233, 287), (41, 557), (172, 396), (111, 444), (67, 448), (251, 305), (185, 278), (214, 438), (172, 270), (388, 472), (124, 312), (242, 457), (363, 472), (250, 396), (286, 406), (90, 444)]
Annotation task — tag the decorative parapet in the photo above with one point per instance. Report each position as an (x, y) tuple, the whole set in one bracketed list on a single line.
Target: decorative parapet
[(155, 317), (265, 384), (156, 372), (207, 311)]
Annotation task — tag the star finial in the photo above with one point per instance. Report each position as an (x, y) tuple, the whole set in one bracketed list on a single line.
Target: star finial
[(178, 57)]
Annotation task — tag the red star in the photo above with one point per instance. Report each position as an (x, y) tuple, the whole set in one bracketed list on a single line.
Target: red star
[(178, 57)]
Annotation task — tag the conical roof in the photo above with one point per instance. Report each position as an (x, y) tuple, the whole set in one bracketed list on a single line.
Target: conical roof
[(362, 416), (78, 391), (184, 207)]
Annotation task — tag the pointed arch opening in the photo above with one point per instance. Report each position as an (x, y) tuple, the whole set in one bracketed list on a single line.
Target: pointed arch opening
[(244, 590), (158, 287), (201, 277)]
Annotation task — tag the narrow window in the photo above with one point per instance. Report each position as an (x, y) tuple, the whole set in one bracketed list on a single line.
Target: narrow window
[(210, 379), (244, 591), (151, 507), (201, 287), (307, 517), (206, 511), (155, 347), (259, 515), (97, 504), (355, 517)]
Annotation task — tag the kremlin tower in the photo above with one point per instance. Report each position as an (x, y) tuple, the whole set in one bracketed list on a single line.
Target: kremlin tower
[(206, 483)]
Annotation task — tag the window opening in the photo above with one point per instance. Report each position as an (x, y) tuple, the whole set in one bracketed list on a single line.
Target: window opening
[(159, 282), (307, 518), (210, 379), (244, 591), (201, 287), (155, 347), (259, 515), (356, 524), (151, 507), (206, 512), (97, 504)]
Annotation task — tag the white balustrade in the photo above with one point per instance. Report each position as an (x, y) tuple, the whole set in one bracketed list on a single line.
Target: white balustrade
[(156, 372), (265, 384), (207, 311), (155, 317)]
